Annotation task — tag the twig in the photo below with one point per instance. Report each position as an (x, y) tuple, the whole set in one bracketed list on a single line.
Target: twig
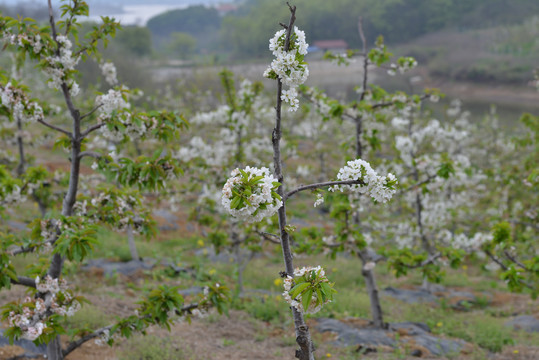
[(365, 58), (55, 128), (90, 129), (429, 260), (269, 237), (91, 112), (416, 185), (90, 154), (506, 268), (321, 185), (515, 260)]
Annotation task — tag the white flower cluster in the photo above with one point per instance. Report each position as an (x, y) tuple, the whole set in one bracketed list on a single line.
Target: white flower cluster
[(261, 197), (464, 242), (109, 72), (403, 65), (105, 337), (380, 188), (110, 102), (288, 66), (288, 284), (11, 195), (17, 101), (116, 101), (31, 318), (24, 39), (319, 200), (58, 67)]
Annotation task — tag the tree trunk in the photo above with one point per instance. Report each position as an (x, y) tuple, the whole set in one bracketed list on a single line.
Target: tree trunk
[(54, 349), (372, 290), (22, 161), (132, 244)]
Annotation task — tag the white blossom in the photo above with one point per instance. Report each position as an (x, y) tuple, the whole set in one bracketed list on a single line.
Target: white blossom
[(262, 199), (380, 188)]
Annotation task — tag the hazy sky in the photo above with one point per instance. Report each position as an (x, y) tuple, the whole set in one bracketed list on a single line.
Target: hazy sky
[(122, 2), (127, 12)]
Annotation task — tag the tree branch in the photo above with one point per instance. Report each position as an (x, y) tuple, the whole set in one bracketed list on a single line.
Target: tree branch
[(90, 112), (416, 185), (28, 249), (321, 185), (91, 129), (24, 281), (55, 128), (269, 237), (515, 260), (90, 154), (77, 343), (431, 259)]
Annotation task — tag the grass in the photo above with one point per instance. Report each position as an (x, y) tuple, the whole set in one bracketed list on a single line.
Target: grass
[(151, 347), (481, 325), (89, 316)]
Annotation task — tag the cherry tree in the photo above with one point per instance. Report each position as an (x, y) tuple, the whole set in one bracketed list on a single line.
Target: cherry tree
[(252, 193)]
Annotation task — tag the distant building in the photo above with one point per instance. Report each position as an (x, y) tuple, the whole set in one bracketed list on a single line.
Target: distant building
[(331, 45), (224, 9)]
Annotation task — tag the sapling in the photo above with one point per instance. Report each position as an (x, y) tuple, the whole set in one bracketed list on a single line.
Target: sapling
[(233, 132), (254, 191), (365, 118), (512, 246)]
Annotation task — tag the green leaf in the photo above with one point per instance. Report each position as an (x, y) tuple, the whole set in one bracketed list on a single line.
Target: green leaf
[(306, 299), (298, 289)]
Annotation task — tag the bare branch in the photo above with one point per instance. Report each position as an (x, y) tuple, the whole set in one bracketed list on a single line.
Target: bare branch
[(55, 128), (321, 185), (91, 129), (365, 58), (75, 344), (505, 268), (90, 154), (515, 260), (91, 112), (418, 184), (25, 281), (28, 249), (51, 20), (269, 237)]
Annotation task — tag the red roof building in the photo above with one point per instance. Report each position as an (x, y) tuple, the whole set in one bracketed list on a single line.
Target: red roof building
[(331, 45)]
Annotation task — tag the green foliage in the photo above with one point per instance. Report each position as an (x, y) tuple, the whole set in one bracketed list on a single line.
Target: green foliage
[(181, 45), (77, 238), (247, 31), (193, 20), (135, 39), (312, 284)]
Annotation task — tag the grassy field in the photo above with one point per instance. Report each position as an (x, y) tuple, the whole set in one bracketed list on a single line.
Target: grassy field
[(259, 321)]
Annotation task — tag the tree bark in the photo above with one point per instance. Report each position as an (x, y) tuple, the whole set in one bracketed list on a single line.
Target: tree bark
[(372, 290), (303, 337), (132, 244), (20, 143), (54, 348)]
